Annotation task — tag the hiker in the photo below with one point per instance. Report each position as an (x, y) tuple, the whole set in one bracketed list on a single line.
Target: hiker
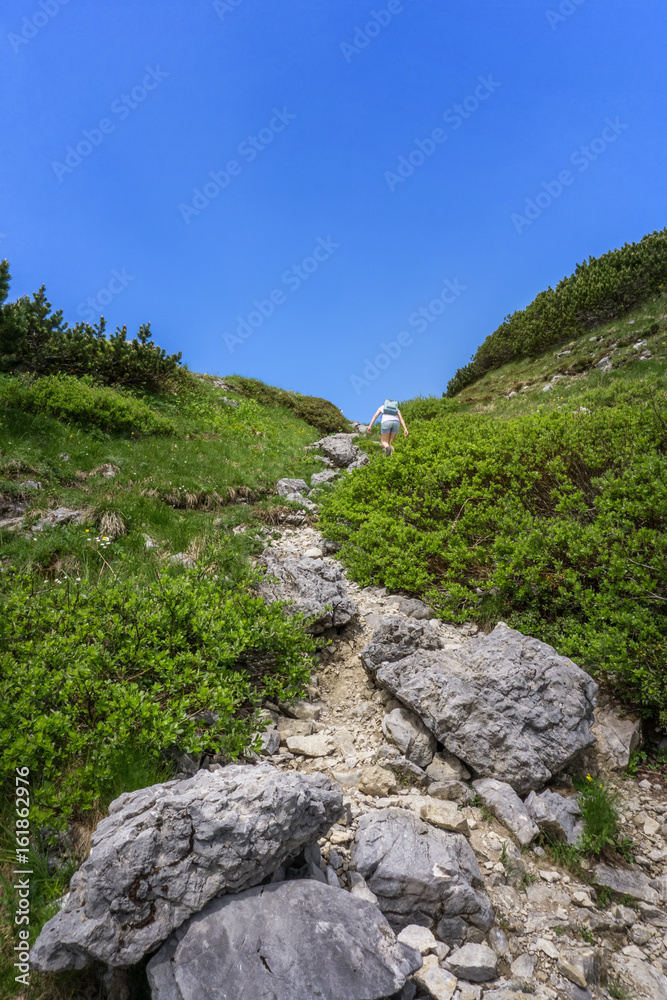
[(391, 417)]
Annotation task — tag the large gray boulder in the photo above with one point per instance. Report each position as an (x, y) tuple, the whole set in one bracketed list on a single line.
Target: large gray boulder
[(315, 587), (421, 875), (165, 851), (293, 941), (410, 735), (507, 704)]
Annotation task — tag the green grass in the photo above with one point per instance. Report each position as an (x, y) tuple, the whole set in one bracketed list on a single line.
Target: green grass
[(107, 650)]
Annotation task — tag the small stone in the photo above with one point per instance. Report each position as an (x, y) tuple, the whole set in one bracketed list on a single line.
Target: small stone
[(438, 984), (651, 827), (286, 486), (313, 553), (445, 815), (446, 767), (317, 745), (419, 938), (476, 962), (454, 791), (498, 940), (580, 966), (547, 947), (501, 799), (523, 966), (641, 934), (376, 780), (549, 877)]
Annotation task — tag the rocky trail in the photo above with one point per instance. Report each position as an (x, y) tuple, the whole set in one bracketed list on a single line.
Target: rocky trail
[(385, 843)]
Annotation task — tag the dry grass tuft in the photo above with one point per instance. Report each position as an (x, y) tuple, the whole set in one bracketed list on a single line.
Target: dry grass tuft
[(112, 524)]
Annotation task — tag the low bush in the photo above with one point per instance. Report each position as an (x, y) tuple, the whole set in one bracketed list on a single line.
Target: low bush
[(79, 401), (427, 408), (319, 413), (90, 676), (553, 522)]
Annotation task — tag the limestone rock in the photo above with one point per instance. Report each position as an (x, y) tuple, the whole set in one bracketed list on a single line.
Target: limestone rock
[(616, 737), (501, 800), (317, 745), (506, 704), (627, 882), (555, 815), (421, 875), (476, 962), (523, 966), (446, 767), (286, 486), (418, 937), (410, 735), (647, 982), (444, 815), (376, 780), (320, 478), (581, 966), (165, 851), (339, 449), (438, 983), (451, 790), (291, 941), (316, 588)]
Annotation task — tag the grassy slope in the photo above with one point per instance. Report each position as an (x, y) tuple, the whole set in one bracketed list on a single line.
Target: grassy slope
[(528, 376), (187, 492), (182, 491)]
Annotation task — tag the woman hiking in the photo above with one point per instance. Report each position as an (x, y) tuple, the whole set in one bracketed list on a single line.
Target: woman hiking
[(391, 420)]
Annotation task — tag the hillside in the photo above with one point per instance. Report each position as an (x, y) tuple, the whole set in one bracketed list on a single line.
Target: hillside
[(141, 640), (600, 290)]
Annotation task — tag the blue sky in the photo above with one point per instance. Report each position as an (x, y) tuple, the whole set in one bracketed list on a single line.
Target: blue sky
[(336, 196)]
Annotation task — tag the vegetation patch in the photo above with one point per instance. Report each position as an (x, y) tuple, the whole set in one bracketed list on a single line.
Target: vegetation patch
[(553, 522), (315, 411)]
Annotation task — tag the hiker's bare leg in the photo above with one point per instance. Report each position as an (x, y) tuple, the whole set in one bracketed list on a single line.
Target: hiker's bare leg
[(387, 440)]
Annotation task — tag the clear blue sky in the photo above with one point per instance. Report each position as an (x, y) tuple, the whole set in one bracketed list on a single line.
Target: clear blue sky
[(303, 110)]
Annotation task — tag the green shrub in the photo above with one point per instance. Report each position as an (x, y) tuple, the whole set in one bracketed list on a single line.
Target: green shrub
[(79, 401), (319, 413), (553, 522), (91, 676), (427, 408), (600, 289), (33, 339)]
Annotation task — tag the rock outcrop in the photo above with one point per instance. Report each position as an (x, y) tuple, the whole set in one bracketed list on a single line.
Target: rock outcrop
[(315, 587), (508, 705), (165, 851), (292, 941), (421, 875)]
